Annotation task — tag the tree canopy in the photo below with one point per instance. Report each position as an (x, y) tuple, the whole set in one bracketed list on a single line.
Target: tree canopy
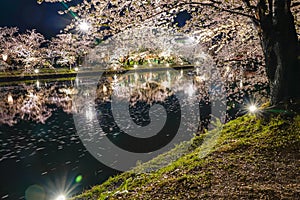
[(241, 35), (231, 30)]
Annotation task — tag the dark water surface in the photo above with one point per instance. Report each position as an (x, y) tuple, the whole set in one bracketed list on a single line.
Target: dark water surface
[(46, 158)]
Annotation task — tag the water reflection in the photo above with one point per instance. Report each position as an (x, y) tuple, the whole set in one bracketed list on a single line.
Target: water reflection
[(37, 101), (33, 102)]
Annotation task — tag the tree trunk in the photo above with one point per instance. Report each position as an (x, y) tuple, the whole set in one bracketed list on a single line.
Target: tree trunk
[(281, 50)]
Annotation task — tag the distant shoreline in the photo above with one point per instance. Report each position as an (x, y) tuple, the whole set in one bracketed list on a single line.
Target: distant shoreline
[(66, 73)]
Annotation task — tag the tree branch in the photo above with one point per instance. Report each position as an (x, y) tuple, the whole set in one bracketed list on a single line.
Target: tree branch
[(270, 2), (248, 4), (207, 5)]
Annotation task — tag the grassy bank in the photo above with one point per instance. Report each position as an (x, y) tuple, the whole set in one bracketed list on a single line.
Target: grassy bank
[(253, 158), (18, 75)]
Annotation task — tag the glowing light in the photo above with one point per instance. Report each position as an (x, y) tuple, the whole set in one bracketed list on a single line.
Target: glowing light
[(68, 91), (76, 69), (84, 26), (36, 71), (78, 179), (61, 197), (227, 69), (115, 77), (38, 84), (135, 66), (10, 99), (168, 65), (241, 84), (104, 88), (4, 57), (252, 108), (190, 90)]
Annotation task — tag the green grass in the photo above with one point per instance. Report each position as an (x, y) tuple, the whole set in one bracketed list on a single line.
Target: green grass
[(251, 158)]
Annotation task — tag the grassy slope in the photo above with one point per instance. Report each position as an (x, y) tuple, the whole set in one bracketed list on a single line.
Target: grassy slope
[(252, 159)]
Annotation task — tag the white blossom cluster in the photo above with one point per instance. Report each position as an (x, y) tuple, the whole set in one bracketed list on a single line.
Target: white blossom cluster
[(29, 51)]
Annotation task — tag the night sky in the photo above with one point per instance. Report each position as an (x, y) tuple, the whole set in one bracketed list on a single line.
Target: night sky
[(28, 14)]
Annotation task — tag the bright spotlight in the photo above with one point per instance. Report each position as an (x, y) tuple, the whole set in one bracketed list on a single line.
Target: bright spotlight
[(252, 108), (61, 197), (84, 26), (36, 71), (76, 69)]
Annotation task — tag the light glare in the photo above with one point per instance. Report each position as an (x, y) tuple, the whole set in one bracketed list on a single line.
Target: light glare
[(84, 26), (10, 99), (61, 197), (252, 108), (4, 57)]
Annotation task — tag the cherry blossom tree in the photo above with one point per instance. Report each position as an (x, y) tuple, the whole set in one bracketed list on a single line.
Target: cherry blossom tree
[(231, 28), (68, 49), (28, 50), (22, 51)]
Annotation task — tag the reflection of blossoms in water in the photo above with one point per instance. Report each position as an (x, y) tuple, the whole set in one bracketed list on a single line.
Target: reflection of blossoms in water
[(147, 87), (29, 102), (149, 93), (34, 107)]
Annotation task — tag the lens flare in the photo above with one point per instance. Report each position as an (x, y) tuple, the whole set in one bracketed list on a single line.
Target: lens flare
[(252, 108), (78, 179), (61, 197), (84, 26)]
